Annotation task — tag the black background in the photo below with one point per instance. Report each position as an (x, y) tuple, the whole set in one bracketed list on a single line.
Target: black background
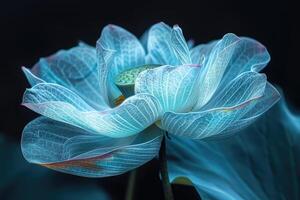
[(33, 29)]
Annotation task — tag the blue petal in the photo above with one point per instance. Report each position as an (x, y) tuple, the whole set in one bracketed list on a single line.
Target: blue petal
[(167, 45), (28, 182), (200, 53), (243, 98), (174, 87), (144, 40), (180, 46), (73, 150), (227, 59), (190, 43), (270, 97), (132, 116), (260, 163), (76, 69), (118, 51)]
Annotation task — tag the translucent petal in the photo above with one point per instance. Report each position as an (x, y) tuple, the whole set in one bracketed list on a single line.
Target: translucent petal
[(132, 116), (75, 69), (118, 51), (200, 53), (226, 59), (167, 45), (174, 87), (236, 101), (260, 163), (28, 181), (180, 46), (190, 43), (72, 150), (144, 40), (32, 79), (215, 67), (270, 97)]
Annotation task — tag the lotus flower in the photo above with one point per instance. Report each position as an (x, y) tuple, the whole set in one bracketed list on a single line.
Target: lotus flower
[(105, 109)]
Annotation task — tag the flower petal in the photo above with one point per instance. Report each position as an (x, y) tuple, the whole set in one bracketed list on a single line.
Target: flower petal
[(132, 116), (174, 87), (28, 181), (180, 46), (262, 162), (120, 51), (167, 45), (200, 53), (236, 100), (270, 97), (72, 150), (144, 40), (75, 69), (229, 57)]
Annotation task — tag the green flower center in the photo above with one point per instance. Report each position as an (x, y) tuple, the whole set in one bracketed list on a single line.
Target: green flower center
[(125, 80), (128, 77)]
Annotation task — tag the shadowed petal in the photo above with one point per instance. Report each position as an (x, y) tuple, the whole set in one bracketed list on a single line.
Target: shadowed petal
[(174, 87), (69, 149), (232, 104), (167, 45), (33, 182), (226, 59), (75, 69), (144, 40), (56, 102), (118, 50), (260, 163)]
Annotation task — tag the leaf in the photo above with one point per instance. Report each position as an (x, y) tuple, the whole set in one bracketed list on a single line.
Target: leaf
[(262, 162)]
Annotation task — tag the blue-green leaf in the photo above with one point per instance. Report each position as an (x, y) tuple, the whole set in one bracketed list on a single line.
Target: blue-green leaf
[(260, 163)]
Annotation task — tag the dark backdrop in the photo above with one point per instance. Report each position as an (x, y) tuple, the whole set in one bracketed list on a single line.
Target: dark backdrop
[(33, 29)]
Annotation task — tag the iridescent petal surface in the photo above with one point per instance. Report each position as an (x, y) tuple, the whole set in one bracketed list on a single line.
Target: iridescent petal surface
[(174, 87), (167, 45), (239, 98), (72, 150), (56, 102), (224, 60), (75, 69), (118, 50)]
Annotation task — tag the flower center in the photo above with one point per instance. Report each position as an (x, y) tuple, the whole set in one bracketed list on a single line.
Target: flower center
[(125, 80)]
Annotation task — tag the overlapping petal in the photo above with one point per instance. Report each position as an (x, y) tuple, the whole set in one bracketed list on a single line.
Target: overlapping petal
[(209, 91), (33, 182), (117, 50), (174, 87), (167, 45), (132, 116), (180, 46), (69, 149), (75, 69), (228, 58), (239, 98), (200, 53)]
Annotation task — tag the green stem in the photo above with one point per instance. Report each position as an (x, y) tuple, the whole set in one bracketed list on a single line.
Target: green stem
[(167, 188), (131, 185)]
